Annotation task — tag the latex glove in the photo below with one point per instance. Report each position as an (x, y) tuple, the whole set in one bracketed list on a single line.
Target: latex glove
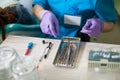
[(49, 24), (93, 27)]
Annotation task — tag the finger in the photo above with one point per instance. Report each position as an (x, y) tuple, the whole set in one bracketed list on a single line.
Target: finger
[(56, 23), (42, 25), (52, 30), (86, 31), (87, 24), (93, 25), (44, 28)]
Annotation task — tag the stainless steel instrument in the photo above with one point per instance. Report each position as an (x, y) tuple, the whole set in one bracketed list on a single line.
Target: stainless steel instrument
[(68, 52)]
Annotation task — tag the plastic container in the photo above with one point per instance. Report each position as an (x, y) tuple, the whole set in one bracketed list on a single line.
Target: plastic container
[(8, 56), (25, 69)]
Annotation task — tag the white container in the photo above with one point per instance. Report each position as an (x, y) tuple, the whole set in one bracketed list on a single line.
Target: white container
[(8, 56), (25, 69)]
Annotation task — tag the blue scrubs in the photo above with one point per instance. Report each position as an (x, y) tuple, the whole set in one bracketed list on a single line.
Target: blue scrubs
[(103, 9)]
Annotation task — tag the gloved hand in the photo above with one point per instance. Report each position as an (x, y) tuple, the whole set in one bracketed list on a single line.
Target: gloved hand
[(49, 24), (93, 27)]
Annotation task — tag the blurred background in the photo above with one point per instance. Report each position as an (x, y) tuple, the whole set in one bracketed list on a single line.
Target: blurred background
[(112, 37)]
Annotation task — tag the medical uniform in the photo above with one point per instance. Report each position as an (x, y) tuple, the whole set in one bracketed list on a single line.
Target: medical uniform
[(84, 9)]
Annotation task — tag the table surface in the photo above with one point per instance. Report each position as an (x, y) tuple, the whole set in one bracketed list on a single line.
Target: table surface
[(50, 72)]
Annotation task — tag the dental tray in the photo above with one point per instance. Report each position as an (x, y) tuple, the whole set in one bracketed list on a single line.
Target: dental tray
[(68, 51)]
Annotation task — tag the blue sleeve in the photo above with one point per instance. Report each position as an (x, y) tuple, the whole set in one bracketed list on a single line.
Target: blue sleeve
[(42, 3), (105, 10)]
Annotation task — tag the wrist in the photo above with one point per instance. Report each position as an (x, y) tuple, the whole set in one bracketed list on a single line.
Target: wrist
[(43, 13), (101, 24)]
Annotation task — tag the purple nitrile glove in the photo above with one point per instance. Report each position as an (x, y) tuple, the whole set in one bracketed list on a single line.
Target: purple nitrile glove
[(93, 27), (49, 24)]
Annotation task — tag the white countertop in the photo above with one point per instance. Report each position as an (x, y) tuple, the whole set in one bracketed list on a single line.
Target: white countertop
[(50, 72)]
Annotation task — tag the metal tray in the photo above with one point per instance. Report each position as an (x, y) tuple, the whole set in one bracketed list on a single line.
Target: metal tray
[(68, 51)]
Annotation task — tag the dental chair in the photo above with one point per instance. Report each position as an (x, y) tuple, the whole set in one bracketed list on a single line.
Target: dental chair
[(23, 30)]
